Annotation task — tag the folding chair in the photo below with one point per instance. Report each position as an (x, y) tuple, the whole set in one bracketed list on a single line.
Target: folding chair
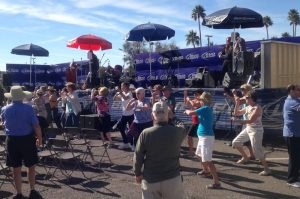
[(63, 151), (45, 155), (73, 135), (4, 170), (53, 133), (94, 139)]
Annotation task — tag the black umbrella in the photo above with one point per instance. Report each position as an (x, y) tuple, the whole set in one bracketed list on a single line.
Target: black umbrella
[(31, 50), (150, 32), (235, 17)]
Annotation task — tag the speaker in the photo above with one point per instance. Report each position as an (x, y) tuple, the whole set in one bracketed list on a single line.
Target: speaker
[(246, 63), (232, 80), (208, 80), (89, 121), (6, 79)]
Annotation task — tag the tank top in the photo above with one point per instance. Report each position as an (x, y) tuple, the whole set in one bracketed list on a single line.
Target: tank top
[(249, 112)]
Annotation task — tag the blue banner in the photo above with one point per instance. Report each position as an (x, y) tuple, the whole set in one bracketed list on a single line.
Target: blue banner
[(44, 74), (183, 63)]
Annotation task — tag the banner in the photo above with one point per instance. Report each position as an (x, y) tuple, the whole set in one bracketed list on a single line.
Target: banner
[(44, 74), (184, 63)]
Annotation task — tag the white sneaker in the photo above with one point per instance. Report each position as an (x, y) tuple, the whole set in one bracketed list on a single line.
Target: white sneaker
[(132, 148), (294, 184), (124, 146)]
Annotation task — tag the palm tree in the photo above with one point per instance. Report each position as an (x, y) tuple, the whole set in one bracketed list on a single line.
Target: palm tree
[(267, 22), (197, 14), (294, 19), (192, 38), (285, 34)]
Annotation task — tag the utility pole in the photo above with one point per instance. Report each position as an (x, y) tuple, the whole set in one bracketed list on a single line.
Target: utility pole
[(208, 38)]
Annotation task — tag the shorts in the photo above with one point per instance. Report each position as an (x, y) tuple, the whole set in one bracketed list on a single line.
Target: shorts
[(21, 149), (255, 136), (193, 130), (205, 148)]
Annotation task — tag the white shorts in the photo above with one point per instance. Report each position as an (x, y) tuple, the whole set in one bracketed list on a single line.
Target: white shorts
[(255, 136), (205, 148)]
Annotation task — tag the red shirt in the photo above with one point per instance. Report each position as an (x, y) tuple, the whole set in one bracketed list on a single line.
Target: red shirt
[(196, 105)]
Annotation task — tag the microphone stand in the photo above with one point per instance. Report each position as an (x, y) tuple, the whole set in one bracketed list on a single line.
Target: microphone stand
[(231, 123)]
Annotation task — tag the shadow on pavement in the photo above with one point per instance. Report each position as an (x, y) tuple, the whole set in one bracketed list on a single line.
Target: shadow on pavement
[(250, 192), (5, 194)]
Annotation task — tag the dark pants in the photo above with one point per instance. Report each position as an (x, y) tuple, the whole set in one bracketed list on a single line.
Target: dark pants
[(122, 126), (55, 117), (293, 146), (104, 124), (72, 120), (135, 130)]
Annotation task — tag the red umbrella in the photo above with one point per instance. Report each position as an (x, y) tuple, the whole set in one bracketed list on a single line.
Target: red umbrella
[(89, 42)]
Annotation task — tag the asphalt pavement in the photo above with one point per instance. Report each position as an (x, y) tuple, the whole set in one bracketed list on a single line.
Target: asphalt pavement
[(117, 181)]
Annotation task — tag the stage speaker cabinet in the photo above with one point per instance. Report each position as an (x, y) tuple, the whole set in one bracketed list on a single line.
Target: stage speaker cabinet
[(89, 121), (232, 80), (247, 63), (208, 80)]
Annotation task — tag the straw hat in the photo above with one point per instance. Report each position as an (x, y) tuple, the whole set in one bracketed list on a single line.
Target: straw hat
[(16, 93), (206, 97)]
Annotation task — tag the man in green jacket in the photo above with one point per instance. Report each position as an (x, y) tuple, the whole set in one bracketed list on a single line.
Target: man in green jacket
[(157, 151)]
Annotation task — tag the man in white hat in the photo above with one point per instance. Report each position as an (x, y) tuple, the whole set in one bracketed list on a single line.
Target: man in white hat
[(160, 177), (23, 136)]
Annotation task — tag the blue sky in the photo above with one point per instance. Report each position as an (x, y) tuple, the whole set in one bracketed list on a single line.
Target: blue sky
[(51, 23)]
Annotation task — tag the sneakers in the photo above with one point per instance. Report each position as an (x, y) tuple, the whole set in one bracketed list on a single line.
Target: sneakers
[(242, 161), (35, 195), (132, 148), (19, 196), (214, 186), (205, 174), (294, 184), (124, 146), (265, 173)]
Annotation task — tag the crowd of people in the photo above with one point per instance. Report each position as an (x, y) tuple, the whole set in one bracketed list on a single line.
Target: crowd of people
[(147, 127)]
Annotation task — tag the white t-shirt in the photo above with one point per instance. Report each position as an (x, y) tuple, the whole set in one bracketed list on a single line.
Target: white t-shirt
[(125, 102)]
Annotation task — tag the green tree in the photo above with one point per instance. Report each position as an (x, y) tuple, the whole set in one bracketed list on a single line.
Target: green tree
[(294, 19), (130, 49), (285, 34), (198, 13), (267, 22), (160, 47), (192, 38)]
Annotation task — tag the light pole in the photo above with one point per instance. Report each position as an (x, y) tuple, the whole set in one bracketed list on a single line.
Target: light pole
[(123, 57), (150, 59), (208, 38)]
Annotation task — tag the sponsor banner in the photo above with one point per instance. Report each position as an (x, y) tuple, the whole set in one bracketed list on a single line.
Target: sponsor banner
[(185, 62), (44, 74)]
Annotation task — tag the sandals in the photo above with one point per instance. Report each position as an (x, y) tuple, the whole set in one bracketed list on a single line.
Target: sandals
[(214, 186)]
